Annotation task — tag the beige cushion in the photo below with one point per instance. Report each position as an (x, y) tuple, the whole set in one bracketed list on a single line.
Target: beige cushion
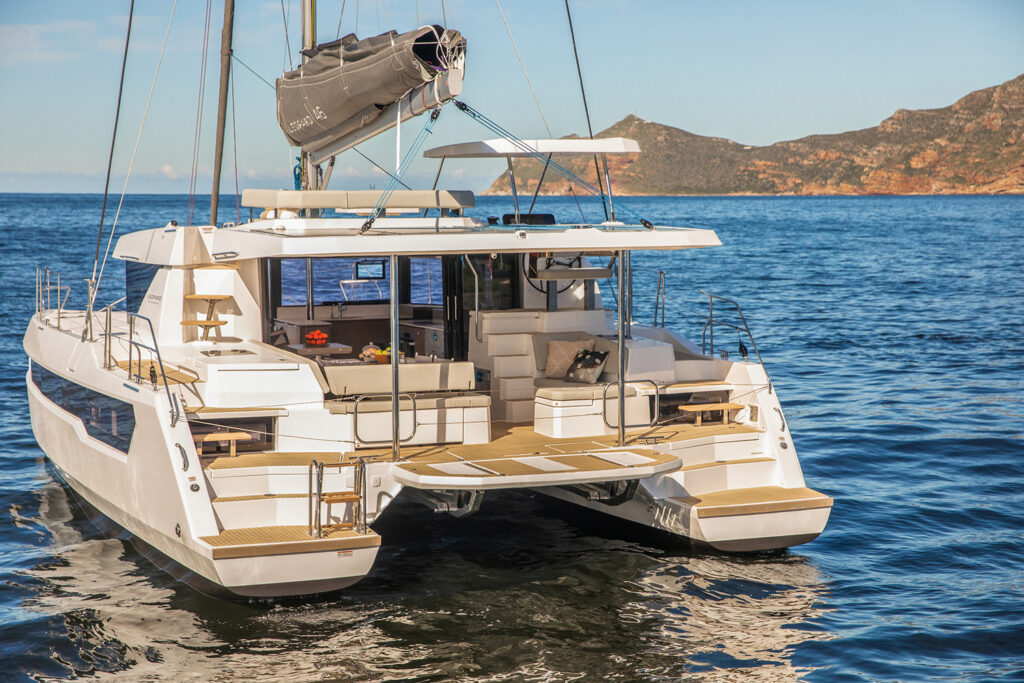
[(423, 402), (555, 390), (540, 343), (352, 380), (561, 355)]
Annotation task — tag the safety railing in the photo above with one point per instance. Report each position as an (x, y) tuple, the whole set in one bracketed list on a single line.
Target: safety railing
[(45, 297), (317, 497), (135, 352), (707, 337), (157, 372)]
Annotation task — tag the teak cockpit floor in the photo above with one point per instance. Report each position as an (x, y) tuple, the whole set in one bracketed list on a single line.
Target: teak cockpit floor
[(509, 441)]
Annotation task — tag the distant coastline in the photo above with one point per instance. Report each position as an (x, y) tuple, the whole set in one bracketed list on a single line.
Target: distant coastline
[(973, 147)]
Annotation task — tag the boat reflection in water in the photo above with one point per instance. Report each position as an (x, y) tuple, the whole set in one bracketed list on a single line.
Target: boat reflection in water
[(452, 606)]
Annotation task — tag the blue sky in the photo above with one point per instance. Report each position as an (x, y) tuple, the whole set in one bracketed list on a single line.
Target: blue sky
[(754, 72)]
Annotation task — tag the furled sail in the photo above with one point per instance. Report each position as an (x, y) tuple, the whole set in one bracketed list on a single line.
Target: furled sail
[(339, 97)]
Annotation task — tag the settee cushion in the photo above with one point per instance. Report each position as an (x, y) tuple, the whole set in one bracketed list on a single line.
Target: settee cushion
[(430, 401), (562, 390), (354, 380)]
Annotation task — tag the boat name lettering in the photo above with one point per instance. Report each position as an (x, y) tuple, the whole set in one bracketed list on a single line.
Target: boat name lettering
[(307, 121)]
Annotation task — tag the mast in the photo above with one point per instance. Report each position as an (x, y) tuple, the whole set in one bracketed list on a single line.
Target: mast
[(309, 169), (222, 103)]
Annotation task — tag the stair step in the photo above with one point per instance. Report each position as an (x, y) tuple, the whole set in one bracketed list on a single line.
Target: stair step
[(261, 496), (205, 323), (515, 388), (284, 540), (511, 343), (340, 497), (271, 459), (207, 297), (755, 500), (515, 411), (728, 474), (718, 463), (513, 365)]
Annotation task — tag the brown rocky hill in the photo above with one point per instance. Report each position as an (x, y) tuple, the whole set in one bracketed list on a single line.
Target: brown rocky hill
[(975, 146)]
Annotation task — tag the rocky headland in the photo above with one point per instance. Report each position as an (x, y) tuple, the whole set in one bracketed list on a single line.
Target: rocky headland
[(974, 146)]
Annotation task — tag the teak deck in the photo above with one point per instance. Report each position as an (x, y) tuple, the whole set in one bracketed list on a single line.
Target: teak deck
[(510, 441)]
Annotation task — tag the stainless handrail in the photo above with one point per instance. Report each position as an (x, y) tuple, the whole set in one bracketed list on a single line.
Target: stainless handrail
[(476, 297), (707, 336), (355, 417), (655, 413), (711, 321), (155, 349)]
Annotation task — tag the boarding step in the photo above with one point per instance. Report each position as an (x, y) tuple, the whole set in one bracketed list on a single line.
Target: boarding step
[(508, 344), (516, 412), (515, 388), (272, 473), (285, 540), (739, 473), (517, 365), (753, 501), (712, 443)]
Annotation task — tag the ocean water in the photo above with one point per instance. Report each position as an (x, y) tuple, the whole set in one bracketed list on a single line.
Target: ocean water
[(894, 332)]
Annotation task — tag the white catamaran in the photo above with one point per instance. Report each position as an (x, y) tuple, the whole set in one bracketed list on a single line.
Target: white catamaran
[(253, 440)]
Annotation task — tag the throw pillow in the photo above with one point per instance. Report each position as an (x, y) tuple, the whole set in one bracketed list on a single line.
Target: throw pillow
[(561, 355), (587, 366)]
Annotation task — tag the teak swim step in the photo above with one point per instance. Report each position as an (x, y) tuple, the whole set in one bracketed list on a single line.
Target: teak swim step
[(755, 500), (285, 540)]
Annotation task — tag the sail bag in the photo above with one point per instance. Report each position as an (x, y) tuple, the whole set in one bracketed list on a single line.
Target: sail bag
[(348, 83)]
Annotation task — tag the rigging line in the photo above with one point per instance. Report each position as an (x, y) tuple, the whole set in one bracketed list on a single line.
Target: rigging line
[(199, 116), (523, 67), (403, 166), (131, 163), (234, 151), (586, 110), (113, 140), (287, 42), (251, 70), (444, 15), (536, 100), (340, 17), (525, 148), (381, 168)]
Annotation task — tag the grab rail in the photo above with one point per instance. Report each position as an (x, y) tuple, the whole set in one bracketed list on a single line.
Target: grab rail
[(654, 414), (355, 417), (476, 297)]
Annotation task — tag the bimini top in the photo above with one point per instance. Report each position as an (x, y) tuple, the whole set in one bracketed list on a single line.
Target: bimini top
[(358, 199), (501, 147)]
